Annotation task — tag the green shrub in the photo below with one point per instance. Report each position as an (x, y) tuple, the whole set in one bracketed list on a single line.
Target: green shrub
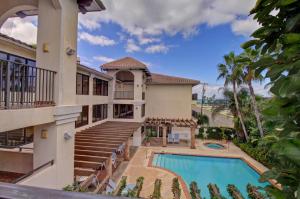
[(75, 187), (121, 186), (253, 192), (195, 191), (156, 192), (259, 153), (217, 133), (234, 192), (176, 188), (214, 191)]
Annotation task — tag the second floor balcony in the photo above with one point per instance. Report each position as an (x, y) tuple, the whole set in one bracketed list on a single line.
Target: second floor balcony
[(126, 95), (24, 86)]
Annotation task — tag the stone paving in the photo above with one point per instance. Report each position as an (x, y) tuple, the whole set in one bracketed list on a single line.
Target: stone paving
[(138, 165)]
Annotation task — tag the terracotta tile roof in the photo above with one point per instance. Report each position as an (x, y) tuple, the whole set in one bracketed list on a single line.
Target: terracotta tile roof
[(165, 79), (16, 41), (124, 63), (94, 71)]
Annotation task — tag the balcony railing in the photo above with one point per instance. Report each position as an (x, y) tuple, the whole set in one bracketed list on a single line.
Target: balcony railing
[(24, 86), (129, 95)]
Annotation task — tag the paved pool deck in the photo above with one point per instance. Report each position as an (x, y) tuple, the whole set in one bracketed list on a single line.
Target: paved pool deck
[(139, 165)]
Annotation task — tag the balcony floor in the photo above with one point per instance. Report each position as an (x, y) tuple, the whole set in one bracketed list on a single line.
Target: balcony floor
[(9, 177)]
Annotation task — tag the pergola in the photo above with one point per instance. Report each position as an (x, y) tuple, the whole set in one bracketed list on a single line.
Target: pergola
[(97, 144), (165, 122)]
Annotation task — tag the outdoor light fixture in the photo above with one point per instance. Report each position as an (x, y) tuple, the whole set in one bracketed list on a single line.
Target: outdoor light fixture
[(67, 136), (21, 14), (70, 51)]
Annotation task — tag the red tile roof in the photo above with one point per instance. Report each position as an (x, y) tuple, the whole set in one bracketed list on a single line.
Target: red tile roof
[(165, 79), (124, 63)]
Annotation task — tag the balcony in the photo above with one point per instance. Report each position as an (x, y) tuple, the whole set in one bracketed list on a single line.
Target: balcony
[(125, 95), (24, 86)]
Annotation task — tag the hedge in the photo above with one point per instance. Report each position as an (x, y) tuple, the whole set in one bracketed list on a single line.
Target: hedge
[(261, 154), (217, 133)]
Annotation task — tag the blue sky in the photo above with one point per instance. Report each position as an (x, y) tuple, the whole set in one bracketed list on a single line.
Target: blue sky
[(195, 57), (186, 38)]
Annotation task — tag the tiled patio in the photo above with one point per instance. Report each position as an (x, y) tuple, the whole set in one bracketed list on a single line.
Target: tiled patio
[(9, 177), (138, 165)]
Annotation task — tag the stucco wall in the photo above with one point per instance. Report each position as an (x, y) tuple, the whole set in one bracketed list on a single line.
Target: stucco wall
[(14, 161), (8, 47), (169, 101)]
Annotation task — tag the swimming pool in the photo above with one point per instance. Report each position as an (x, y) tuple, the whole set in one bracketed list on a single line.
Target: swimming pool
[(205, 170), (214, 146)]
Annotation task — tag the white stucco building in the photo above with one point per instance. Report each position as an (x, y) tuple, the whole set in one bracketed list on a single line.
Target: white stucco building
[(47, 96)]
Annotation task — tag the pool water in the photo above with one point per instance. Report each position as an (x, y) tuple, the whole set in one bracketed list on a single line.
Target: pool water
[(214, 146), (205, 170)]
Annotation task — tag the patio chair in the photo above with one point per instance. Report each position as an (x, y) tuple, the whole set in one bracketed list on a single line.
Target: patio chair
[(176, 138), (102, 165), (170, 138), (110, 187), (120, 149), (129, 187), (114, 160)]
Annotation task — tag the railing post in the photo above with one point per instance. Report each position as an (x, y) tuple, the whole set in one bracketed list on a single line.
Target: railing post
[(7, 89)]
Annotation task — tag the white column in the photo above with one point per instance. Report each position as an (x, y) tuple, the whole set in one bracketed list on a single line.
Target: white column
[(57, 32), (137, 138)]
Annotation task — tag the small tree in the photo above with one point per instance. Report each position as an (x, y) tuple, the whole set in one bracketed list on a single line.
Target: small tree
[(176, 188), (195, 191), (156, 192)]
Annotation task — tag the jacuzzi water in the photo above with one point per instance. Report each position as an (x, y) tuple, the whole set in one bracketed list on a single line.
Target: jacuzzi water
[(205, 170), (214, 146)]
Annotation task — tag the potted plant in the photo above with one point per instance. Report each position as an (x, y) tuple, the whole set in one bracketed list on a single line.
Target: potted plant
[(147, 140)]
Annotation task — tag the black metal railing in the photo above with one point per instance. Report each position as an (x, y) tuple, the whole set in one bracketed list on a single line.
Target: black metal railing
[(24, 86), (15, 138), (124, 95), (49, 163)]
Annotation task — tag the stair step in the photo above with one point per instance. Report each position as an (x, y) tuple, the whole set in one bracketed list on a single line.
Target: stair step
[(92, 153), (90, 158), (86, 164), (93, 148), (83, 171)]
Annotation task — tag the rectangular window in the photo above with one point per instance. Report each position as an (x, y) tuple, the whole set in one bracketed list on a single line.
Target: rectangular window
[(83, 119), (15, 138), (124, 111), (143, 110), (100, 87), (82, 84), (99, 112)]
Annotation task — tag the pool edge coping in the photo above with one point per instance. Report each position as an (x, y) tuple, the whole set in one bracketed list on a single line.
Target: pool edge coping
[(184, 186)]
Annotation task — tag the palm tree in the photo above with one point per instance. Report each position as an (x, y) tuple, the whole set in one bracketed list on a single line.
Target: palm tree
[(231, 72), (250, 56)]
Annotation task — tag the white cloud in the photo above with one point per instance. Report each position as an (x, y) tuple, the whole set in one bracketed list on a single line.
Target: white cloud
[(131, 46), (159, 48), (211, 89), (103, 59), (244, 27), (152, 18), (21, 29), (147, 40), (96, 39)]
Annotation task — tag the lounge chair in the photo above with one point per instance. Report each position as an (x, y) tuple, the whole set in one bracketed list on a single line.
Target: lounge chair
[(170, 138), (127, 188), (114, 159), (176, 138), (121, 148), (110, 187)]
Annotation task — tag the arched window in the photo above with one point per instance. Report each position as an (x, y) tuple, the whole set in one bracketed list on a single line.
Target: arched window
[(124, 87)]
